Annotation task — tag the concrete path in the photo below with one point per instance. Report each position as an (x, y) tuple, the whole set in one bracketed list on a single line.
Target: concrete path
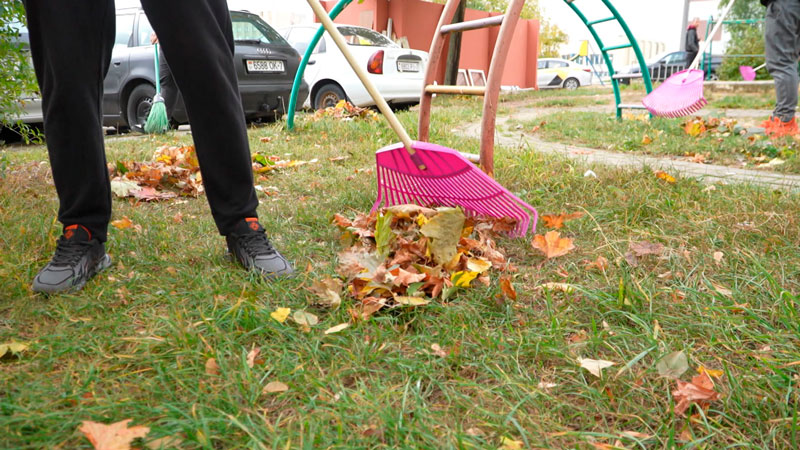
[(708, 173)]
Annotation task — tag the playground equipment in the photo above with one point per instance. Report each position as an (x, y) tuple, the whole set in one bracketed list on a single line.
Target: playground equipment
[(682, 93), (429, 174)]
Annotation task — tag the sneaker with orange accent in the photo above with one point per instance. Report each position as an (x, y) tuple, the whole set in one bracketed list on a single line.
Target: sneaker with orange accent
[(249, 244), (769, 125), (77, 259), (782, 128)]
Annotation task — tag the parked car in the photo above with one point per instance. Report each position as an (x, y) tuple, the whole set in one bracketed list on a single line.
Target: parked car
[(397, 73), (265, 66), (562, 73), (664, 65)]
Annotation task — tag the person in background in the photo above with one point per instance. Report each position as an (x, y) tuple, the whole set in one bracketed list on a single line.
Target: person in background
[(692, 41), (782, 44), (71, 43)]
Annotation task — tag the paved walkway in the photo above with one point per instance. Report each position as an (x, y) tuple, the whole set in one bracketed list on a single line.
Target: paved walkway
[(709, 173)]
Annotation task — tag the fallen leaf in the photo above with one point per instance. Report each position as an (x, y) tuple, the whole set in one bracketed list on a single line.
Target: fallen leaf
[(594, 366), (251, 357), (646, 140), (552, 286), (673, 365), (122, 224), (510, 444), (665, 176), (718, 257), (438, 351), (404, 277), (280, 314), (12, 348), (212, 368), (711, 372), (384, 234), (164, 443), (552, 244), (722, 290), (644, 248), (545, 385), (327, 291), (275, 386), (123, 188), (478, 265), (463, 278), (557, 221), (694, 127), (508, 288), (601, 264), (411, 301), (305, 319), (699, 391), (636, 435), (116, 436), (337, 328), (444, 232), (338, 158)]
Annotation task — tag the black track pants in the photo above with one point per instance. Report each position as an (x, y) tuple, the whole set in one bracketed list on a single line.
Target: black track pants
[(71, 42)]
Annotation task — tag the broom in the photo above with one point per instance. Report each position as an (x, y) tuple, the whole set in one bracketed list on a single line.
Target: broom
[(682, 93), (429, 174), (157, 120)]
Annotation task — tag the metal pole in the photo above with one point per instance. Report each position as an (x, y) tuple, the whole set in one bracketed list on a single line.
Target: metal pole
[(684, 23)]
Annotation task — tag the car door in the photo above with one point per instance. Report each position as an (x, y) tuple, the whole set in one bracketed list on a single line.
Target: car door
[(118, 69), (300, 38)]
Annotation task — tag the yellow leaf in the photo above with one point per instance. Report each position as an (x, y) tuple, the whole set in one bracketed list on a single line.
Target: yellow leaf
[(280, 314), (444, 232), (116, 436), (337, 328), (646, 140), (665, 176), (563, 287), (510, 444), (275, 386), (122, 224), (463, 278), (478, 265), (710, 372), (411, 301), (12, 348)]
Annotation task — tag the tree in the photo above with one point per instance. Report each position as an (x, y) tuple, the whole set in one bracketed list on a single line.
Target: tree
[(17, 78), (746, 39), (550, 35)]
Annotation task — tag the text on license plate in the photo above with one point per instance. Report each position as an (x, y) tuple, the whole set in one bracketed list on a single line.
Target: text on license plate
[(264, 65), (407, 66)]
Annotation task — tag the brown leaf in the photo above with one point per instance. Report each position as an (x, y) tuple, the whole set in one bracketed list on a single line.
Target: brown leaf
[(404, 277), (164, 443), (327, 291), (600, 264), (507, 288), (275, 386), (116, 436), (212, 368), (552, 244), (438, 351), (251, 357), (699, 391), (644, 248), (557, 221)]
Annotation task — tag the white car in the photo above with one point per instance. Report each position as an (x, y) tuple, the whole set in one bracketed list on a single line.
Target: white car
[(396, 72), (562, 73)]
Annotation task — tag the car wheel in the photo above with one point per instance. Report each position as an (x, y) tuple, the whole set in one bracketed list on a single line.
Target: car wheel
[(571, 84), (328, 95), (139, 103)]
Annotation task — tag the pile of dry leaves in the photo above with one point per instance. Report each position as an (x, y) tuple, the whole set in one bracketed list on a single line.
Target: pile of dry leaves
[(407, 255), (345, 110), (697, 126), (172, 171)]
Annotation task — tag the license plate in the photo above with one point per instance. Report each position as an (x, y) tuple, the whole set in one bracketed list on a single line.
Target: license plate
[(265, 65), (403, 66)]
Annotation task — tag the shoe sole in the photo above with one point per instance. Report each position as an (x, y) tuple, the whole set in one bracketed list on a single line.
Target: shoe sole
[(103, 264)]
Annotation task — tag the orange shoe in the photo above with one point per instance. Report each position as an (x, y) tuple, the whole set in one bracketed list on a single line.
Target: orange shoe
[(785, 128), (770, 125)]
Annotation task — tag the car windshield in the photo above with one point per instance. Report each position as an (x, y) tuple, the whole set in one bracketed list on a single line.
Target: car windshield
[(365, 37), (248, 28)]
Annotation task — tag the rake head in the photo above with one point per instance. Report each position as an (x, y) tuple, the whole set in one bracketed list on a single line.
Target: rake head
[(449, 179), (748, 73), (679, 95)]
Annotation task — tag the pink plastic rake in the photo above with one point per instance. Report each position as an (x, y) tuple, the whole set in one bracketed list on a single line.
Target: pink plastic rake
[(429, 174), (749, 73), (682, 93)]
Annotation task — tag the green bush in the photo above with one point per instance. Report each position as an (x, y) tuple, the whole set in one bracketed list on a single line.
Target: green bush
[(17, 78)]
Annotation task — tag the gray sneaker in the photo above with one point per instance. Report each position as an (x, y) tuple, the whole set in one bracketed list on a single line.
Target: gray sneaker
[(251, 247), (77, 259)]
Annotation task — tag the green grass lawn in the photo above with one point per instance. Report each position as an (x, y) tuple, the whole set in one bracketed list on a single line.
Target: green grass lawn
[(134, 343), (743, 102), (601, 130)]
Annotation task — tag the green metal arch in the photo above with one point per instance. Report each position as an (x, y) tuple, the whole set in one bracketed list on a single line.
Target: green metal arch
[(604, 50)]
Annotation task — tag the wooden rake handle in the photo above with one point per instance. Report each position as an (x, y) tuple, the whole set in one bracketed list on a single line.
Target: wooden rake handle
[(380, 102)]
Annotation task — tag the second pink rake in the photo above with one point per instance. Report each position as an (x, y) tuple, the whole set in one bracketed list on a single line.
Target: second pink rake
[(429, 174)]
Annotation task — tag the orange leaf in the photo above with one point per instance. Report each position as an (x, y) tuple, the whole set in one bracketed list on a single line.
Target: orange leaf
[(552, 244), (212, 368), (404, 277), (116, 436), (508, 288), (699, 391), (646, 140), (665, 176), (557, 221), (122, 223), (601, 264)]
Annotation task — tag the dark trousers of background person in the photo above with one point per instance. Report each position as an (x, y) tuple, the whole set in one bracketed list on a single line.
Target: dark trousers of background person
[(169, 89), (690, 56), (71, 42), (782, 42)]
